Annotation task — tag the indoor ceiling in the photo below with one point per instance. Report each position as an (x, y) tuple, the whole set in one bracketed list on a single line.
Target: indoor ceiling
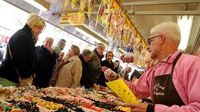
[(145, 14)]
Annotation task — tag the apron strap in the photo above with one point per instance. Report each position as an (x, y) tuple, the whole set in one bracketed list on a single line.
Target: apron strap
[(175, 61)]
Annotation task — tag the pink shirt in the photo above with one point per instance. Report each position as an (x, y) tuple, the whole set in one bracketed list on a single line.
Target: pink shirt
[(186, 79)]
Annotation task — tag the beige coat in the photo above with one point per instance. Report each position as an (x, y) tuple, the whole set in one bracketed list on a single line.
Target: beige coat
[(70, 74)]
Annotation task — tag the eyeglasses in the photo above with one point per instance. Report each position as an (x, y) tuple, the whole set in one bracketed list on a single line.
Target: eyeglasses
[(149, 40)]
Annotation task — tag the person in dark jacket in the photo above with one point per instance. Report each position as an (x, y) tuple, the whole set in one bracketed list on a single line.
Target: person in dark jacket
[(85, 56), (60, 46), (135, 75), (106, 63), (19, 62), (117, 66), (94, 65), (46, 60), (125, 73)]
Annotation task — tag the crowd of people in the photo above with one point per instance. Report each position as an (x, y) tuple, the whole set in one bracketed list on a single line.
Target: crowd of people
[(48, 65), (172, 83)]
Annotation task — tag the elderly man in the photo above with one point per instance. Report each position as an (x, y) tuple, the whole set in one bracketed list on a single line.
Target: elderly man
[(173, 83), (94, 66), (85, 56), (19, 63), (46, 60)]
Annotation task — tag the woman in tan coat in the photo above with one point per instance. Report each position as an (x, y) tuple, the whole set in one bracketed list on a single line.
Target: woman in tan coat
[(70, 73)]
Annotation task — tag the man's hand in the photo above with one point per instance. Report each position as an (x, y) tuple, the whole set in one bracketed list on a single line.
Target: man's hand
[(137, 107), (96, 87)]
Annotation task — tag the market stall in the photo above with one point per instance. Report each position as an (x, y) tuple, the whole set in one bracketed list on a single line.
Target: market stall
[(80, 24), (56, 99)]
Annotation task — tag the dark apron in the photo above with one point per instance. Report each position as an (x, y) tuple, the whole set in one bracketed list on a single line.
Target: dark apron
[(164, 91)]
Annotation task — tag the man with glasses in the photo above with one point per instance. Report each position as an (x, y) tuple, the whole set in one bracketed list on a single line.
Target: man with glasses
[(174, 82)]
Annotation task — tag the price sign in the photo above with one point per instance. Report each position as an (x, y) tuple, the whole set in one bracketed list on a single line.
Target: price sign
[(123, 91), (75, 18)]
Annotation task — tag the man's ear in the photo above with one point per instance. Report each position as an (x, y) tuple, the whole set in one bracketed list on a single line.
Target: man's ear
[(162, 39)]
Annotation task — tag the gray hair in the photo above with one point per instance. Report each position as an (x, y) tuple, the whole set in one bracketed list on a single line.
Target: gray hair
[(87, 52), (168, 29), (100, 45), (75, 49), (48, 38), (61, 40)]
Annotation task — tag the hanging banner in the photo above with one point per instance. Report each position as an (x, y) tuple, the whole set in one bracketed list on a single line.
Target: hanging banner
[(64, 10), (122, 90), (90, 7), (73, 3), (82, 5), (100, 12), (75, 18)]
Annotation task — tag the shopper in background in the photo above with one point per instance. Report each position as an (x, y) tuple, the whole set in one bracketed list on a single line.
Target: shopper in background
[(46, 60), (59, 62), (106, 63), (58, 49), (94, 66), (117, 67), (85, 56), (125, 73), (135, 75), (60, 58), (60, 46), (19, 63), (69, 74), (173, 83)]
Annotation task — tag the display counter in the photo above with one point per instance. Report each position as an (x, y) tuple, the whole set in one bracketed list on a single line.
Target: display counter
[(57, 99)]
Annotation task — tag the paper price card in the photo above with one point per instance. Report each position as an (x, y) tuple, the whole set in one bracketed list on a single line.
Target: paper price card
[(123, 91)]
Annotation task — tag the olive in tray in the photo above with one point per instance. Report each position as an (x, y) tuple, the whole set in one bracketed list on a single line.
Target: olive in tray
[(29, 107)]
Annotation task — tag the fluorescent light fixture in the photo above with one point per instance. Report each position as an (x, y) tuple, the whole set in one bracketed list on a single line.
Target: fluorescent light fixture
[(87, 35), (185, 24), (36, 4)]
